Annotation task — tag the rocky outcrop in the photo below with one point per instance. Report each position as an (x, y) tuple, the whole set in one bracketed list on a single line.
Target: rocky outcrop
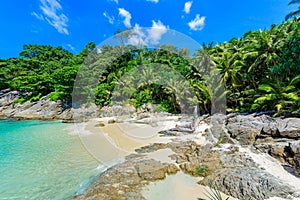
[(7, 97), (275, 136), (227, 168), (125, 180), (113, 111), (43, 109), (248, 183), (247, 128), (289, 128)]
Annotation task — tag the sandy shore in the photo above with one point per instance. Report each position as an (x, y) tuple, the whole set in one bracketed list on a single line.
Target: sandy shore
[(177, 187), (110, 143)]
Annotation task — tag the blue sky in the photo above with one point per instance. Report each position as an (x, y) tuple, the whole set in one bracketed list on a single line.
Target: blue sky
[(72, 24)]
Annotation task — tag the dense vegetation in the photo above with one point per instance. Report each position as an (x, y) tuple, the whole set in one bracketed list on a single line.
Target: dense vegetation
[(261, 71)]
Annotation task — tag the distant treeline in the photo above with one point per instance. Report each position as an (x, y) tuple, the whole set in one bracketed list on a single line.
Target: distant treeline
[(261, 72)]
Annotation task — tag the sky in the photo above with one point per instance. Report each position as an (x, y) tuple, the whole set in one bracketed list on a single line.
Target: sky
[(72, 24)]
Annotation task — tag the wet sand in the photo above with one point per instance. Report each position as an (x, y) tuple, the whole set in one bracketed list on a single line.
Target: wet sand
[(177, 187)]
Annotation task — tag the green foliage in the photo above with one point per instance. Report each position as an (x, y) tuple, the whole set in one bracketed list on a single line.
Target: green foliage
[(54, 96), (35, 98), (215, 194), (19, 101), (258, 67), (260, 71), (221, 140), (201, 170), (294, 13), (40, 70)]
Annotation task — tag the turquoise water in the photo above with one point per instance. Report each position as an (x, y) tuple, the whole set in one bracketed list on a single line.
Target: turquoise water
[(40, 160)]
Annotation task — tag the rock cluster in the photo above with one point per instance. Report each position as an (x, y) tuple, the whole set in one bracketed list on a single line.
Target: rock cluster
[(228, 169), (125, 180), (43, 109), (278, 137)]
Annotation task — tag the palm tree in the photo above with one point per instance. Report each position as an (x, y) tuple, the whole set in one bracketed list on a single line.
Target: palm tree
[(285, 98), (294, 13)]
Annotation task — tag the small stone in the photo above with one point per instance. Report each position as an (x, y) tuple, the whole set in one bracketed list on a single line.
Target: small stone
[(111, 121), (100, 124), (120, 192)]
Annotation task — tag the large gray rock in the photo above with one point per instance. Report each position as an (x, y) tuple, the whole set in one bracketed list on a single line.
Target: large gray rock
[(295, 148), (289, 128), (86, 111), (7, 97), (125, 180), (287, 151), (44, 108), (248, 183), (228, 169), (245, 129), (113, 111)]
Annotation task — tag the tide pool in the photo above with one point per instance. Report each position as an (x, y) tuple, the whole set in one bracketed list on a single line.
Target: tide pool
[(40, 160)]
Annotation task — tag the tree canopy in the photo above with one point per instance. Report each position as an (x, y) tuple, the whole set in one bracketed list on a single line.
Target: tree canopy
[(261, 72)]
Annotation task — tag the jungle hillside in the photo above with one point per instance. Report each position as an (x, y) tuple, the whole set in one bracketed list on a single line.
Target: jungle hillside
[(260, 71)]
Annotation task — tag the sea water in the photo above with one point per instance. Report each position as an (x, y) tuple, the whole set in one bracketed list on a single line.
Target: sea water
[(40, 160)]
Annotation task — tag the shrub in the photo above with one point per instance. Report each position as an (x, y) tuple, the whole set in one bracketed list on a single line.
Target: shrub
[(201, 170)]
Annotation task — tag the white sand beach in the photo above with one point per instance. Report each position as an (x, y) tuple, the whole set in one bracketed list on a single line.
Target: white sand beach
[(112, 142)]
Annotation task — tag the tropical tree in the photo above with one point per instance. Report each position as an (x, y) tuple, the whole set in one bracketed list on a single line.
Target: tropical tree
[(277, 95), (294, 13)]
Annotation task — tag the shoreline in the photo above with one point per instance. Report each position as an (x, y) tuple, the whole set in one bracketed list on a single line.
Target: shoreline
[(136, 149), (165, 159), (129, 145)]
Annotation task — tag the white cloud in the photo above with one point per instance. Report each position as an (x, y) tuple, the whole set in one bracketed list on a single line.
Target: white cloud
[(116, 1), (39, 17), (51, 13), (124, 13), (147, 36), (71, 47), (111, 19), (187, 7), (157, 30), (197, 24), (138, 36), (154, 1)]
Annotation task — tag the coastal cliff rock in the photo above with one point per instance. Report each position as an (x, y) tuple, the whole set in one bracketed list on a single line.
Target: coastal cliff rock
[(43, 109), (7, 97), (247, 128)]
